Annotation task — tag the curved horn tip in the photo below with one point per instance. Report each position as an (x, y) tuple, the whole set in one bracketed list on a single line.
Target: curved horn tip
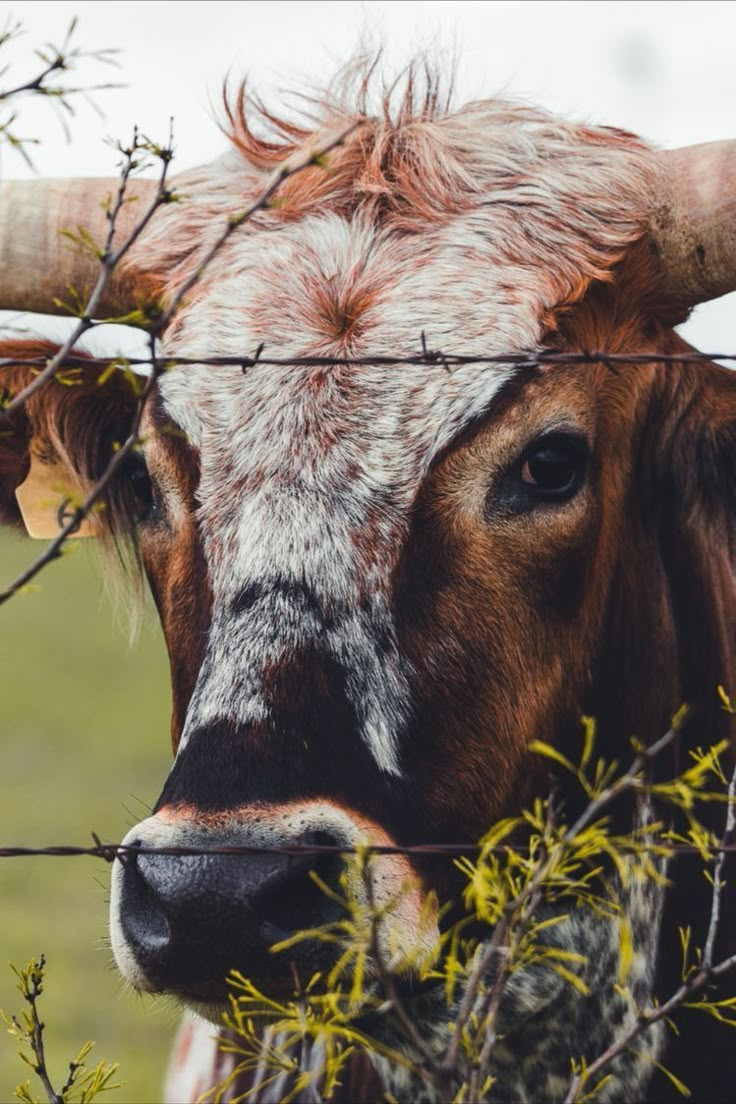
[(694, 225)]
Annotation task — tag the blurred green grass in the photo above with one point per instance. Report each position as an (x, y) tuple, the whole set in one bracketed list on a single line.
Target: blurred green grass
[(84, 746)]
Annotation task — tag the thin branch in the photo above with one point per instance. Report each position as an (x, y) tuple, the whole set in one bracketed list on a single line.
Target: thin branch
[(519, 906), (692, 984), (491, 1005), (53, 551), (627, 781), (718, 884), (109, 261), (34, 84), (31, 992), (492, 949), (58, 60), (645, 1020)]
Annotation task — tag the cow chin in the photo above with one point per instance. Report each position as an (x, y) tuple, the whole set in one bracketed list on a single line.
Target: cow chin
[(181, 923)]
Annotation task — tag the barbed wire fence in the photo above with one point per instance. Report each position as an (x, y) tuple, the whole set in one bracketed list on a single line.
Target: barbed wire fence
[(479, 1007), (109, 852)]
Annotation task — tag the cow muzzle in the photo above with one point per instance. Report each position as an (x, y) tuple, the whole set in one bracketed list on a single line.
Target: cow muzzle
[(180, 923)]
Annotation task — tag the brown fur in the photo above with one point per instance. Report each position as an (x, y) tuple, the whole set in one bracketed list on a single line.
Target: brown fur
[(74, 418), (175, 564)]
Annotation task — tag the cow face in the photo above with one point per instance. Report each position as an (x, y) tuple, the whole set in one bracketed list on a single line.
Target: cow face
[(378, 582)]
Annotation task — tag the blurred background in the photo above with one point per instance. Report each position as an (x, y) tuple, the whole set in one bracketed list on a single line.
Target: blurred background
[(84, 719)]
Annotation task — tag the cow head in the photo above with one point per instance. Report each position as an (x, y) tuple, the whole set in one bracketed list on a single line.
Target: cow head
[(378, 583)]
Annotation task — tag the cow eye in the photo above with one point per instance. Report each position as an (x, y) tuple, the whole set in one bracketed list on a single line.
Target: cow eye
[(553, 467), (139, 487), (550, 471)]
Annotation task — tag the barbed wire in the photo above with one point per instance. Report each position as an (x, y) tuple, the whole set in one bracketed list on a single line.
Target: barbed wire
[(425, 356), (111, 851)]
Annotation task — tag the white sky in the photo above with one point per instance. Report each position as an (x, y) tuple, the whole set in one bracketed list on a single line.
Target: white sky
[(663, 69)]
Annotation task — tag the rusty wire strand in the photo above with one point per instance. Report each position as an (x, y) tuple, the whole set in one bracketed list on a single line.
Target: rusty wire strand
[(424, 356), (111, 851)]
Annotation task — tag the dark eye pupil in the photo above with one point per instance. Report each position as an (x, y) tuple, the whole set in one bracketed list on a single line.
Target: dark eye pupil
[(139, 482), (141, 485), (545, 476), (551, 469)]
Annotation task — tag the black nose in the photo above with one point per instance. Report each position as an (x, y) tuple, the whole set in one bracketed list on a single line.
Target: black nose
[(190, 920)]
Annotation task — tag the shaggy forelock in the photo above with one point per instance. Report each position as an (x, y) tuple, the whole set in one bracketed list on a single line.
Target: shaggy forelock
[(547, 189)]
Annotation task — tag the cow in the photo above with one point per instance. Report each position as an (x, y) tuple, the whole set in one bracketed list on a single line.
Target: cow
[(380, 581)]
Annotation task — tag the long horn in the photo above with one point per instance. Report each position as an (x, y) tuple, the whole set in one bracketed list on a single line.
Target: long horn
[(694, 227), (39, 263)]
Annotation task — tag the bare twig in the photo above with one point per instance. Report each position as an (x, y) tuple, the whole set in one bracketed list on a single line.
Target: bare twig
[(704, 974), (110, 259), (31, 986), (718, 884)]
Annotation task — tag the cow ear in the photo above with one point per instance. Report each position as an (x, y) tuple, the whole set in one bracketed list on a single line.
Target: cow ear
[(704, 441), (695, 508), (59, 441)]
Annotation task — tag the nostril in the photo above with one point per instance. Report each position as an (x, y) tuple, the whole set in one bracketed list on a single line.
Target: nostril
[(299, 901), (188, 920), (144, 920)]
